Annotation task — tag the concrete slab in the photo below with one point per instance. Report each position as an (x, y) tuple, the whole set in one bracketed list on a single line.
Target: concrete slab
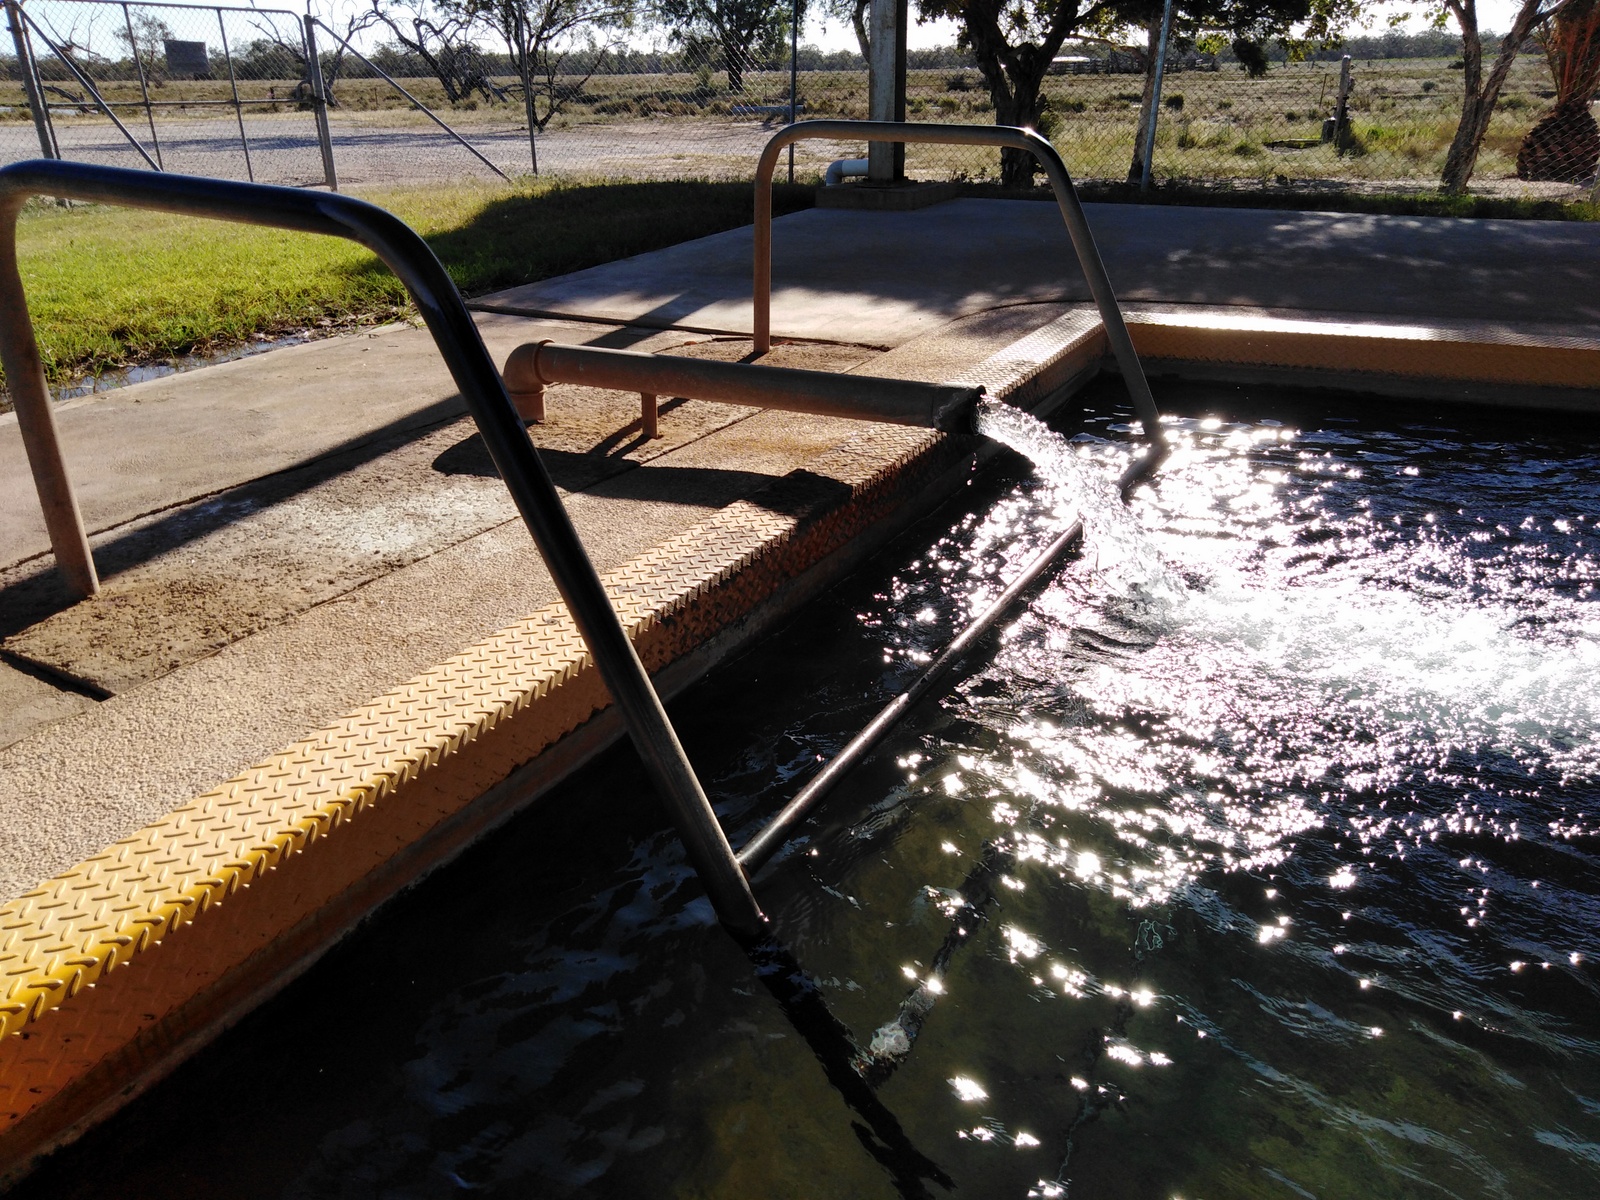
[(145, 448), (28, 703), (181, 584), (884, 278), (272, 621)]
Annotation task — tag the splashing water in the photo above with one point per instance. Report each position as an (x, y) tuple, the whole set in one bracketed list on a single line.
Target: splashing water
[(1118, 548)]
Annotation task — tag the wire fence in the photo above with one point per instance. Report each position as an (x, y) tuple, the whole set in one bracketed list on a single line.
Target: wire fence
[(231, 92)]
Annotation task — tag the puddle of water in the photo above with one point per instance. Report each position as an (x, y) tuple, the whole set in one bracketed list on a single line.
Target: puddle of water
[(108, 381)]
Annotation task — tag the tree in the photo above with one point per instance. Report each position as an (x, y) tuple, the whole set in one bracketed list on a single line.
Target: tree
[(277, 42), (1014, 43), (1564, 147), (745, 32), (855, 12), (442, 37), (541, 34), (1479, 95), (147, 44)]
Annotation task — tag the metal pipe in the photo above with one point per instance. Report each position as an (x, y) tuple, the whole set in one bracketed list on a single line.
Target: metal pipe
[(1055, 170), (772, 836), (843, 168), (863, 397), (462, 348), (30, 396)]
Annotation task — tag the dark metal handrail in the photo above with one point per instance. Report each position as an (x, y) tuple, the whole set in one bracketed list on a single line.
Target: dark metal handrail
[(1005, 136), (459, 343)]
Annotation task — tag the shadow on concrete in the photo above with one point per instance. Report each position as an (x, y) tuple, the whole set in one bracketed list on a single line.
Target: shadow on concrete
[(968, 254), (520, 239), (35, 595), (698, 487)]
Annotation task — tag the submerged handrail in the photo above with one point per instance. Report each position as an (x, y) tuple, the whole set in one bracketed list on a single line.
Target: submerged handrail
[(1005, 136), (462, 348)]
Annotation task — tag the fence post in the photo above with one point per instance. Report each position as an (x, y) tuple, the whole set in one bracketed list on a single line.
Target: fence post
[(1155, 98), (886, 88), (527, 88), (319, 103), (1341, 113), (30, 81), (794, 73)]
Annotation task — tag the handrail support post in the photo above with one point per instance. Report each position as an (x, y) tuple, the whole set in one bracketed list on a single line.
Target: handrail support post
[(1083, 243)]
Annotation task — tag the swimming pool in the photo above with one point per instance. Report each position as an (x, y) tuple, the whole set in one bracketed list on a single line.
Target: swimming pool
[(1256, 858)]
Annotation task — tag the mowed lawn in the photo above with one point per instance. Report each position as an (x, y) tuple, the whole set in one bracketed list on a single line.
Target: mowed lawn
[(110, 287)]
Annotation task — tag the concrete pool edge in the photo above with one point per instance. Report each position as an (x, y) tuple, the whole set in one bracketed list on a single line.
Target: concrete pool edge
[(99, 1000), (1469, 362)]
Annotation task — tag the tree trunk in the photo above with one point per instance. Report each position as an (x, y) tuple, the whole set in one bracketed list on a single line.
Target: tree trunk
[(1147, 113), (1479, 96), (734, 65), (858, 22), (1564, 147), (1015, 78)]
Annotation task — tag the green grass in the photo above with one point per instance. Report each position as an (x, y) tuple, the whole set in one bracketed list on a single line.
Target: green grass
[(111, 287)]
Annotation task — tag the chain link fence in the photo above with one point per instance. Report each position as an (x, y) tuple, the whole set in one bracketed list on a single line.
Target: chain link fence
[(227, 92)]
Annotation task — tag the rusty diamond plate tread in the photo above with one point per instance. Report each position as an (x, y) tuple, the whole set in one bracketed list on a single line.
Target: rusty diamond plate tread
[(1009, 369), (70, 930)]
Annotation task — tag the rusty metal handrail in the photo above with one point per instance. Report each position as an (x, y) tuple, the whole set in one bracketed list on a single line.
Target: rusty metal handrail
[(1005, 136), (462, 348)]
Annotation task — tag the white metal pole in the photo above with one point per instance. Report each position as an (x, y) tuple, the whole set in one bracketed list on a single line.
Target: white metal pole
[(1155, 98)]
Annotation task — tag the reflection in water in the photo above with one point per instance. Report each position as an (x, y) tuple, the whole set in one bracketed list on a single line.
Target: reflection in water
[(1257, 859)]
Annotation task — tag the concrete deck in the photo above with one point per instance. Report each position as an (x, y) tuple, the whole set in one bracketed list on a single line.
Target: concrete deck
[(881, 279), (284, 538)]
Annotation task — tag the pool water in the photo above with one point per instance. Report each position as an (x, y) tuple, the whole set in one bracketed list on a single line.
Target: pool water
[(1258, 856)]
